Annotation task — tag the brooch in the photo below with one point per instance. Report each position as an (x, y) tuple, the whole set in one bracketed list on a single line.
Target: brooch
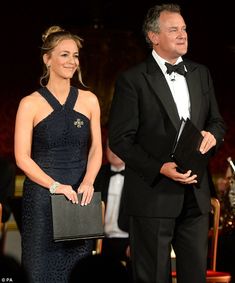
[(78, 123)]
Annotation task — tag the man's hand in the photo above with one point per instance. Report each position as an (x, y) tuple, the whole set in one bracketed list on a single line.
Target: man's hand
[(169, 169), (208, 142)]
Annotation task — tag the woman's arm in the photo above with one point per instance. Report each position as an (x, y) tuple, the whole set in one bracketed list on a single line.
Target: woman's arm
[(23, 144), (95, 152)]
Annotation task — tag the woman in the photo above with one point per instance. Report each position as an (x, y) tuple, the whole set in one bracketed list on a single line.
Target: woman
[(58, 147)]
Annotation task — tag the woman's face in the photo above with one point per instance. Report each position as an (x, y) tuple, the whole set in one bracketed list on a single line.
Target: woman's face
[(63, 60)]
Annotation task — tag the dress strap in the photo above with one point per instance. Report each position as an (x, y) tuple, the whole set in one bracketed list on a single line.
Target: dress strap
[(72, 98), (49, 98)]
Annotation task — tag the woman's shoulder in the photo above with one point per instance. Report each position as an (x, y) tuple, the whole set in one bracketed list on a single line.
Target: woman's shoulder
[(30, 100), (87, 95), (85, 92), (32, 96)]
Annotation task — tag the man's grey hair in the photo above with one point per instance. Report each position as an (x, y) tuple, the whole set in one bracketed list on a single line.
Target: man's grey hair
[(151, 22)]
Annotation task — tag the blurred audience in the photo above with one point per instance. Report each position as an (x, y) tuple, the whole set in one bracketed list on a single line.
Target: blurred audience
[(109, 181), (7, 186), (225, 186), (10, 203), (11, 270)]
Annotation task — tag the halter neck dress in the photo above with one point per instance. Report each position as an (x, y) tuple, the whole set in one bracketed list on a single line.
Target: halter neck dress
[(60, 147)]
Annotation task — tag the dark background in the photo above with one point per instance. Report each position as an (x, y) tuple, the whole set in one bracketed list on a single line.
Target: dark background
[(211, 29), (211, 32)]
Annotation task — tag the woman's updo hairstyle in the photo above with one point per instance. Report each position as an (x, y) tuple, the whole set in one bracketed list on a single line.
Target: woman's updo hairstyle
[(51, 38)]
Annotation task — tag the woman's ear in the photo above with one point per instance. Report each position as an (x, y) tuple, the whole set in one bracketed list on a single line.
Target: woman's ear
[(46, 59)]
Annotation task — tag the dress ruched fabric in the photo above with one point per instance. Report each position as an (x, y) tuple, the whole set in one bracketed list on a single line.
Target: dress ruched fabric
[(60, 147)]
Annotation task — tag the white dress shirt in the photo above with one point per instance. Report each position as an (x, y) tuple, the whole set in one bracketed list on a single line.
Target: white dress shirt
[(178, 86), (112, 207)]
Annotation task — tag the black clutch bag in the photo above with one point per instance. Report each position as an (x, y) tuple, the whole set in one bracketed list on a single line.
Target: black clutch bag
[(75, 222), (186, 152)]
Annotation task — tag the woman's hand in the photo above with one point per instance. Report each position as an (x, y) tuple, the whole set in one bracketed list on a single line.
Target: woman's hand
[(68, 192), (87, 191)]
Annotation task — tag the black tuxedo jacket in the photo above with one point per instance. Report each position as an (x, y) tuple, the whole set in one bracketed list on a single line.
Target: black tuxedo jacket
[(142, 128), (102, 185)]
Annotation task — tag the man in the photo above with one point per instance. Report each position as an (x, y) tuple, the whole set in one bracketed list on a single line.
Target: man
[(164, 205), (110, 181)]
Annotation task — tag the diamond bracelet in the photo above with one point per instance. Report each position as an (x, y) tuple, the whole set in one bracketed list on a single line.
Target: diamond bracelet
[(53, 187)]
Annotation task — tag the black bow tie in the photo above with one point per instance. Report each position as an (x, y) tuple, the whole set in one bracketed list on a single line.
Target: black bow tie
[(112, 173), (179, 68)]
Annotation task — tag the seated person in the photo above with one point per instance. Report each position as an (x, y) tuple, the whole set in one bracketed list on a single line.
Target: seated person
[(226, 247), (7, 186), (109, 182)]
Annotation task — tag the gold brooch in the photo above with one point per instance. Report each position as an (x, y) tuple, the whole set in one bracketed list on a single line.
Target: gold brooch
[(78, 123)]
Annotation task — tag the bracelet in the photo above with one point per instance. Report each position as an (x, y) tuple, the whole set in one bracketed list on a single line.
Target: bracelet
[(53, 187)]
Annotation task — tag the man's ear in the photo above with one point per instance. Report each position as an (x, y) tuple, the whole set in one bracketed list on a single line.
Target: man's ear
[(153, 37)]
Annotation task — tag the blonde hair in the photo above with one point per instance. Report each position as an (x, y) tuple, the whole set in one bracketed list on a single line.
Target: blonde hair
[(51, 38)]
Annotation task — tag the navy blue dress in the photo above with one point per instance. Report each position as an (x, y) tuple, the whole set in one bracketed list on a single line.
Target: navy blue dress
[(60, 147)]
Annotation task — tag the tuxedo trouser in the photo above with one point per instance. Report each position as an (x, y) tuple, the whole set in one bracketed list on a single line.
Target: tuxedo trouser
[(151, 240)]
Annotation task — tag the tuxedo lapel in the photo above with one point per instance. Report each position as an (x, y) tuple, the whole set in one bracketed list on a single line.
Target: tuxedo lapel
[(154, 75), (159, 85), (192, 78)]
